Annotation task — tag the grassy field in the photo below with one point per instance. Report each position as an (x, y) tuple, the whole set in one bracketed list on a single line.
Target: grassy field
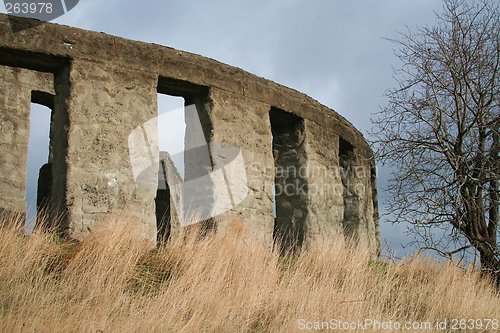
[(113, 283)]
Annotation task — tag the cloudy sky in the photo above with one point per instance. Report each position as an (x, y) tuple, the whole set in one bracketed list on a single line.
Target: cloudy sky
[(332, 50)]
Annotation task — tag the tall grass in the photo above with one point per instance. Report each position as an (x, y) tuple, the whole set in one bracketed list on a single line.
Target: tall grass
[(112, 282)]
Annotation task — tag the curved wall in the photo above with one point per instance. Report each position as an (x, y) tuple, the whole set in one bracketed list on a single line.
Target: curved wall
[(102, 88)]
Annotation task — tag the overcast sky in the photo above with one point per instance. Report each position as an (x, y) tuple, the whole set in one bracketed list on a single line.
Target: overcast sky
[(332, 50)]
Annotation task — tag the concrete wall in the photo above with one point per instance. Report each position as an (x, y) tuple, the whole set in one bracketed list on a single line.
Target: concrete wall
[(16, 89), (106, 88)]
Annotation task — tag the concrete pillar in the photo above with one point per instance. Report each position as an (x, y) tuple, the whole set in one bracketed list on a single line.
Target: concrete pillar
[(104, 107), (15, 104), (326, 203), (241, 150)]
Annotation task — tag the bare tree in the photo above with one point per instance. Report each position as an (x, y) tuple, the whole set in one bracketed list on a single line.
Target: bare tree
[(440, 129)]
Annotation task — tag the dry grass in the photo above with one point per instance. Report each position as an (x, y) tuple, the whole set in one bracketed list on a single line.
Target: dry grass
[(113, 283)]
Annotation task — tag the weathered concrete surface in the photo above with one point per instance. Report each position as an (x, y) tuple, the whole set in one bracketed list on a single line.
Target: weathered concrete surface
[(102, 115), (169, 203), (290, 182), (16, 89), (106, 87)]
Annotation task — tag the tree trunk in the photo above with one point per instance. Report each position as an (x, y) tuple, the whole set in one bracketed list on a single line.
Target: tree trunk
[(490, 265)]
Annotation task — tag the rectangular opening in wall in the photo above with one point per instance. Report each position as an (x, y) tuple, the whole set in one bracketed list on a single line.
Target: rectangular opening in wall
[(194, 198), (38, 166), (172, 128), (347, 162), (290, 184), (171, 131)]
